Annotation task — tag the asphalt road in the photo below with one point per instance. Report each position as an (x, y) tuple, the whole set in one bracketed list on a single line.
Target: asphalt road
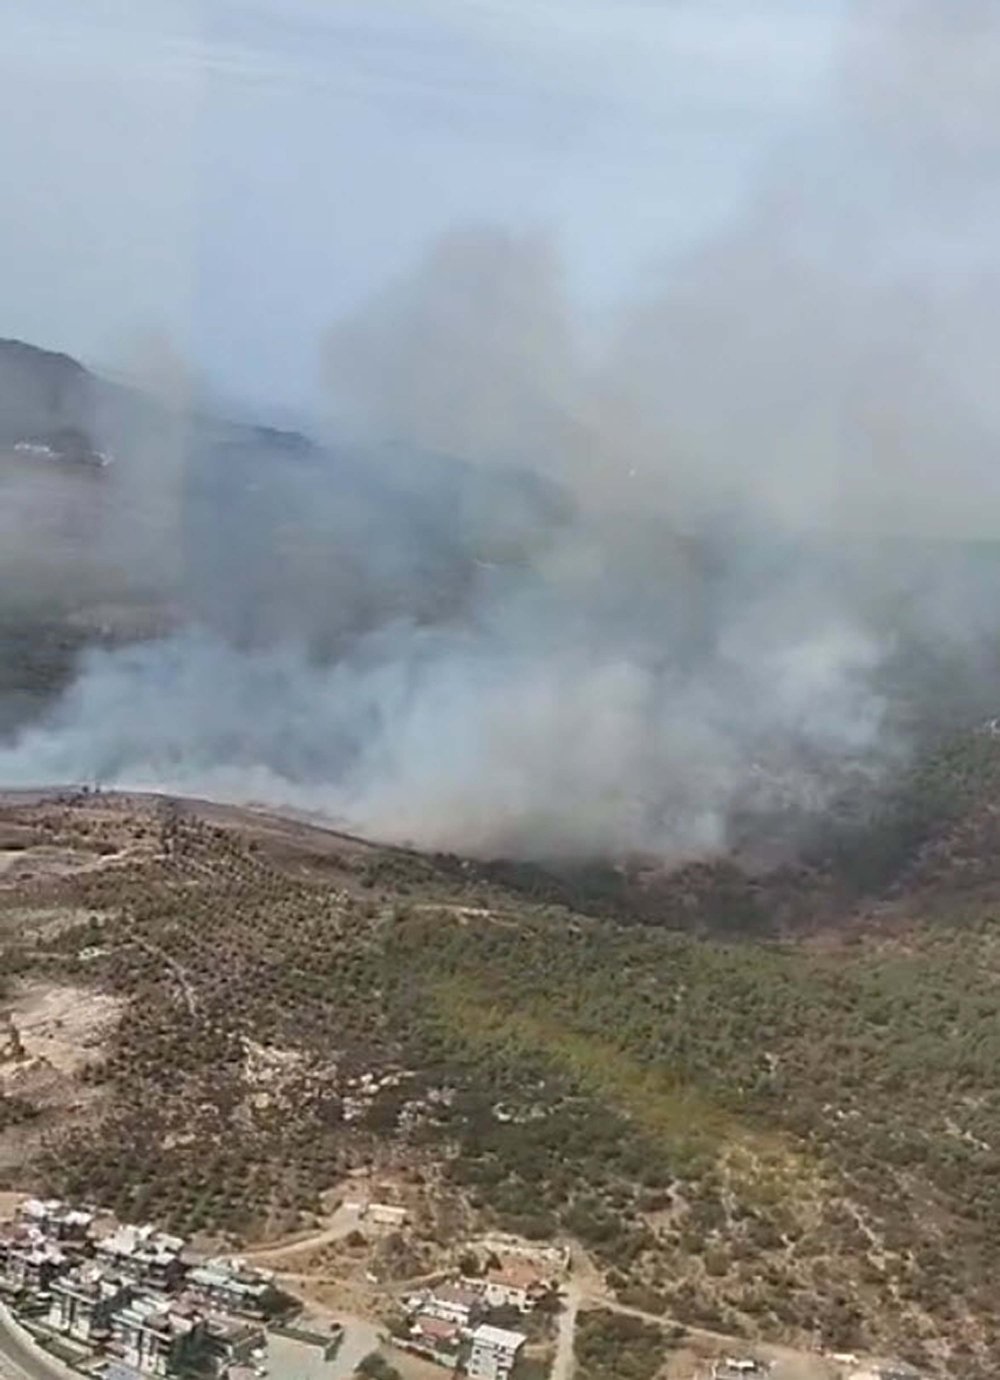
[(19, 1360)]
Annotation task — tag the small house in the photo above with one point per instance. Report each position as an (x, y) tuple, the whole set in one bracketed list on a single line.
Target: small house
[(739, 1368), (515, 1285), (436, 1337), (386, 1215)]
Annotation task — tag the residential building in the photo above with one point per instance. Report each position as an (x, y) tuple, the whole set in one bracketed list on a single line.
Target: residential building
[(453, 1303), (437, 1337), (515, 1285), (743, 1368), (29, 1261), (155, 1337), (231, 1286), (386, 1215), (84, 1299), (143, 1254), (494, 1352), (56, 1219), (231, 1342)]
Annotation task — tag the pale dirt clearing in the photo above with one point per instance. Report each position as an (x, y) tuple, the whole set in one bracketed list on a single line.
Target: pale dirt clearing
[(56, 1026), (46, 861)]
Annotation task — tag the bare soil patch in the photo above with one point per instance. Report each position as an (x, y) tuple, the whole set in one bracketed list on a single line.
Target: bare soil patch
[(55, 1026)]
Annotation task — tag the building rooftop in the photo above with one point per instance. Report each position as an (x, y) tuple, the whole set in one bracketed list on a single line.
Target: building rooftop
[(499, 1337), (38, 1251), (142, 1242), (158, 1316), (455, 1293), (437, 1328), (46, 1214), (232, 1329), (516, 1274), (216, 1276), (744, 1368), (90, 1279)]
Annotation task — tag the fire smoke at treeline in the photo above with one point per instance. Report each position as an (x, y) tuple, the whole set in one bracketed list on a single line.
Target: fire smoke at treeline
[(543, 596)]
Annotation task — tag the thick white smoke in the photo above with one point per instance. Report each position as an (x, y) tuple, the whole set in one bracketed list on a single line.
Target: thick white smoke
[(467, 740), (701, 626)]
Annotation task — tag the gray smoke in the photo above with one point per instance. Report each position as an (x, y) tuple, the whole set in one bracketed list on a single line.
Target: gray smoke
[(556, 599)]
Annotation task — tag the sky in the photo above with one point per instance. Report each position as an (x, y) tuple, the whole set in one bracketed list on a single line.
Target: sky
[(229, 178)]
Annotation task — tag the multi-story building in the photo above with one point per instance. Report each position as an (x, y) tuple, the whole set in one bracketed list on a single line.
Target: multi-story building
[(452, 1303), (494, 1352), (143, 1254), (56, 1219), (28, 1261), (232, 1287), (83, 1301), (231, 1342), (155, 1337)]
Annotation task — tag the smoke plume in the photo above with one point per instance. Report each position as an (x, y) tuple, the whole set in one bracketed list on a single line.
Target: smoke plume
[(540, 597)]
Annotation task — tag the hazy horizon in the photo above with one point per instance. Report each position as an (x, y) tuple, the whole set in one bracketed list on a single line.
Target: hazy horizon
[(232, 178)]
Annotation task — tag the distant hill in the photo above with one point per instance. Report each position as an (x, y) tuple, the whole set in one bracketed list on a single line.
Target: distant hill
[(43, 393), (119, 514)]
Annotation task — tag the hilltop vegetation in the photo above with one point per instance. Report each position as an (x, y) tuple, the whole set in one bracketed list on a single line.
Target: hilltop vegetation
[(788, 1137)]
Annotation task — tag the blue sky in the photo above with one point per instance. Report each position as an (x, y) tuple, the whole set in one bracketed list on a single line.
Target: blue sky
[(232, 176)]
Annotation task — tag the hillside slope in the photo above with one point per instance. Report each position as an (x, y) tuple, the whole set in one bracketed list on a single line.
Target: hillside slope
[(778, 1139)]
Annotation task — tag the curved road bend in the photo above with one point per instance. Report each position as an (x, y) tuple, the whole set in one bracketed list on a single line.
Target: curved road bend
[(21, 1360)]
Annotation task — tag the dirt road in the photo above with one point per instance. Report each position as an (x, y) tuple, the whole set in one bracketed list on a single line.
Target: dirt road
[(341, 1224), (563, 1361)]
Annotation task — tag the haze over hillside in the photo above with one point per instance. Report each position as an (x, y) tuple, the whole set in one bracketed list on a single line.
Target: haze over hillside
[(465, 655), (551, 592)]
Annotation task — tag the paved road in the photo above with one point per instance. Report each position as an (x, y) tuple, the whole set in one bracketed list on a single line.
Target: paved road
[(360, 1337), (20, 1360)]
